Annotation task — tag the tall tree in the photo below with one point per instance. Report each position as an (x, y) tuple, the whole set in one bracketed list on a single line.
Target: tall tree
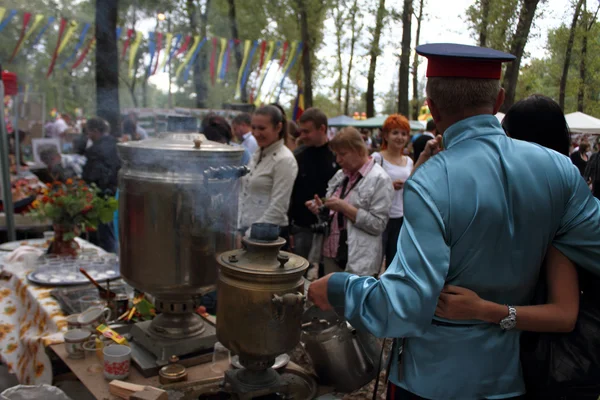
[(483, 27), (373, 54), (238, 52), (107, 68), (517, 48), (588, 21), (194, 13), (565, 71), (307, 51), (354, 14), (403, 104), (339, 21), (415, 67)]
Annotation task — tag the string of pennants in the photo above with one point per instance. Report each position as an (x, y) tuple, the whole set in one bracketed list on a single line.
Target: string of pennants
[(168, 45)]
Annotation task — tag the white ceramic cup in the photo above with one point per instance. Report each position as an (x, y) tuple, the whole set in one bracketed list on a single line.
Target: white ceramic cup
[(93, 317), (72, 322), (74, 340), (117, 361)]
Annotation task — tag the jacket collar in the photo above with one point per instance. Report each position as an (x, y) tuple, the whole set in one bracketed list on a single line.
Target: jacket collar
[(472, 128), (273, 147)]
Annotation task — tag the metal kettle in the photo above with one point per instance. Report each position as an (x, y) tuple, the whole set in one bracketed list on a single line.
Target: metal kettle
[(343, 357)]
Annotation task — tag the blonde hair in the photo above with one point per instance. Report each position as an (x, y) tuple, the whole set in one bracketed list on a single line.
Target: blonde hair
[(349, 139), (452, 95)]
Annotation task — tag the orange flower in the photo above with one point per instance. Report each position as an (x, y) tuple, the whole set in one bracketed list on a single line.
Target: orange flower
[(69, 181), (45, 199), (49, 185)]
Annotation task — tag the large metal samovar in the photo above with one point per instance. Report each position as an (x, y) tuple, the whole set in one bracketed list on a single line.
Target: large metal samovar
[(260, 307), (178, 198)]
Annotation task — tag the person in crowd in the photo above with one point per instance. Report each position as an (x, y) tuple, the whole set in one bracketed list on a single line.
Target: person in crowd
[(316, 166), (366, 135), (60, 127), (580, 157), (592, 174), (482, 215), (421, 141), (267, 189), (292, 136), (358, 201), (62, 166), (395, 138), (132, 127), (102, 168), (242, 128), (217, 129)]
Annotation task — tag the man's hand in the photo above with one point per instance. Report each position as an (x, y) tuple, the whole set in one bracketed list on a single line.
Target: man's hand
[(314, 205), (336, 204), (432, 147), (317, 293), (458, 303)]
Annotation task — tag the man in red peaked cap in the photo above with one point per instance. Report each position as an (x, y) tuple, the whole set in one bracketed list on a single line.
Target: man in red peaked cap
[(480, 215)]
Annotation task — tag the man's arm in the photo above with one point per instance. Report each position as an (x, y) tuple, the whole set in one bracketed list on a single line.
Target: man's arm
[(402, 302), (578, 236)]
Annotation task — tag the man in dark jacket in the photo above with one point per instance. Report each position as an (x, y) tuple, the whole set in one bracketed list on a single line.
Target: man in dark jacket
[(102, 169)]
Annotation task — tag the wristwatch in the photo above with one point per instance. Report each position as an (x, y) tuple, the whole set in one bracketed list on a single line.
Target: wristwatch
[(510, 321)]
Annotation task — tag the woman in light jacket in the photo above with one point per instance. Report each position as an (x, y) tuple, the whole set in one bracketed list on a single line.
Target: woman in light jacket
[(267, 189), (359, 197)]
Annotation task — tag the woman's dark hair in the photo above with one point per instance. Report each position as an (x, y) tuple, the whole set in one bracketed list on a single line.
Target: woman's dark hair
[(218, 129), (276, 115), (538, 119)]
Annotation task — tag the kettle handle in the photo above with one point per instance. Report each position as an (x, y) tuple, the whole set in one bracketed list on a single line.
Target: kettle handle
[(364, 357)]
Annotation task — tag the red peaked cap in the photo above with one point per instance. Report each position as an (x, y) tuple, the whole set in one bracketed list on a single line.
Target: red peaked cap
[(448, 60)]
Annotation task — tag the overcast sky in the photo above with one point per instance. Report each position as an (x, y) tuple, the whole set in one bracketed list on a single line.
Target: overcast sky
[(444, 22)]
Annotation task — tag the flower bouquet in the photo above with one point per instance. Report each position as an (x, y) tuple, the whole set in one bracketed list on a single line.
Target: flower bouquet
[(72, 206)]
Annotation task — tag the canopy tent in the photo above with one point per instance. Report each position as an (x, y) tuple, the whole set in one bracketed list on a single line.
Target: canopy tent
[(377, 122), (582, 123), (341, 121), (500, 116)]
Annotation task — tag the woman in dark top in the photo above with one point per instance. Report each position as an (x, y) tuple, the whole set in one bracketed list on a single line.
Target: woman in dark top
[(580, 158)]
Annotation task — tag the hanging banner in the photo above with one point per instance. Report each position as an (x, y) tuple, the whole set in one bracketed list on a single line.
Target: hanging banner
[(168, 41), (226, 57), (290, 64), (186, 74), (184, 46), (130, 33), (221, 58), (213, 57), (133, 52), (36, 22), (238, 85), (85, 53), (72, 27), (26, 19), (263, 72), (44, 29), (159, 36), (8, 18), (151, 50), (172, 53), (275, 82), (188, 56), (82, 36), (118, 34), (61, 31), (249, 64)]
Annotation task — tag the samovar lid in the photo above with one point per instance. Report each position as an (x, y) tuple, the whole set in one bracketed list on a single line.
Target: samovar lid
[(178, 147)]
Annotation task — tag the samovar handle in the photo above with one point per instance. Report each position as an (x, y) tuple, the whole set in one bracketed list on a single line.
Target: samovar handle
[(289, 299)]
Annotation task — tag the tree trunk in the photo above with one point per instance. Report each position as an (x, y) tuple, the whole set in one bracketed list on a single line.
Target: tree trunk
[(355, 32), (200, 63), (339, 21), (415, 72), (582, 65), (403, 105), (517, 48), (306, 53), (565, 71), (107, 65), (374, 53), (485, 14), (237, 49)]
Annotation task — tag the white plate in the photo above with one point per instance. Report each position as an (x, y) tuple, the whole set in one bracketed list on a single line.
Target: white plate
[(10, 246)]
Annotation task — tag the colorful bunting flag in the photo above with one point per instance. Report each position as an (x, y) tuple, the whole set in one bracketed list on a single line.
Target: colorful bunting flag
[(133, 52), (61, 31), (238, 85), (85, 53), (159, 36), (184, 46), (44, 29), (168, 52), (249, 65), (82, 36), (294, 52), (221, 57), (26, 19), (130, 33), (213, 57), (36, 22), (188, 56), (8, 18), (186, 74), (72, 27), (263, 72), (151, 50)]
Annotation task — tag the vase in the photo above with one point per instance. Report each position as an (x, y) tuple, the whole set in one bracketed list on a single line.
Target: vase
[(64, 243)]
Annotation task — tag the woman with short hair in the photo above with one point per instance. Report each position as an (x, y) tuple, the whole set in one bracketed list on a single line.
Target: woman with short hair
[(358, 201)]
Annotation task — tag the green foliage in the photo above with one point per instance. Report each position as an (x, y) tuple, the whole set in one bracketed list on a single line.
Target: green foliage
[(501, 22)]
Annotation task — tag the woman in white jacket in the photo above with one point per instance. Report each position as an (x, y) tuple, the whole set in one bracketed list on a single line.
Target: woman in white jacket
[(359, 197)]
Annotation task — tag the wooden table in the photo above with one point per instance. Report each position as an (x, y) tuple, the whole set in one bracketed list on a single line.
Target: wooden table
[(98, 385)]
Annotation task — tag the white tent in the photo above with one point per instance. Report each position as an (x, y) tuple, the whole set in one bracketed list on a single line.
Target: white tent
[(500, 116), (582, 123)]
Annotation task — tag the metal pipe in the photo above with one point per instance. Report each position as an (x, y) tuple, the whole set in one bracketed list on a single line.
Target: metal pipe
[(9, 211), (16, 134)]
